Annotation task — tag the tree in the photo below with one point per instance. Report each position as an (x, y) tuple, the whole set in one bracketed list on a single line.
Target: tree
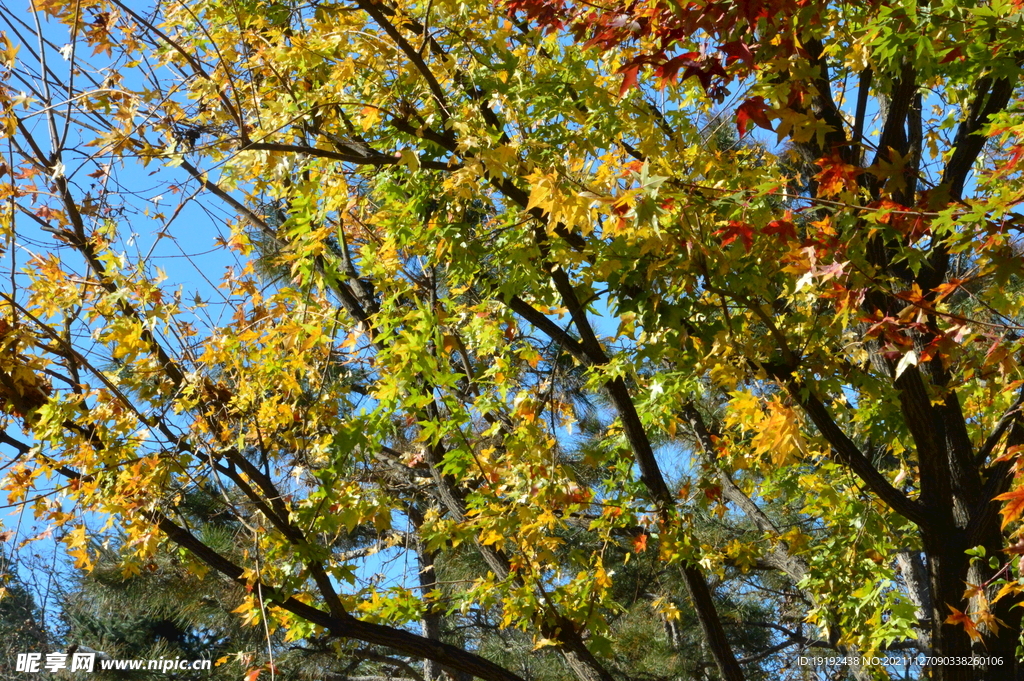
[(168, 611), (165, 611), (799, 390), (21, 629)]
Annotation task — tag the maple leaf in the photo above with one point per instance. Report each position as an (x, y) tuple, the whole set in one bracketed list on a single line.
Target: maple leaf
[(1014, 506), (1016, 154), (960, 619), (783, 229), (629, 78), (755, 110), (668, 72), (737, 50), (1017, 549), (952, 55), (736, 229), (640, 543), (893, 170), (973, 591), (945, 289), (1008, 589), (836, 176), (989, 621)]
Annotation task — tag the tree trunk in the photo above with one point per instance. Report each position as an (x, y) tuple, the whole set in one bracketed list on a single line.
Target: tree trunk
[(947, 568), (714, 634), (430, 625)]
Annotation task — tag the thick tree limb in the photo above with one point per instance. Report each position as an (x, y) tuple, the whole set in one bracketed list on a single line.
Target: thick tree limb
[(377, 14), (845, 449), (346, 626), (650, 472)]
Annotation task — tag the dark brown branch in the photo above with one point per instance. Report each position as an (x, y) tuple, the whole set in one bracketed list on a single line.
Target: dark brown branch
[(377, 14), (894, 134), (196, 65), (845, 449), (556, 333), (348, 299), (278, 516), (835, 138), (863, 92), (369, 156), (989, 99), (780, 558), (650, 472), (347, 627)]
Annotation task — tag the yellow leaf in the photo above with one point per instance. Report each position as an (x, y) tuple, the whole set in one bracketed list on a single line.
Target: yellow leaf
[(1008, 589), (490, 536), (409, 159), (544, 642), (542, 194)]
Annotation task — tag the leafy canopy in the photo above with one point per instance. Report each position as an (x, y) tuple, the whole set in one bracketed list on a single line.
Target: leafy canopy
[(502, 294)]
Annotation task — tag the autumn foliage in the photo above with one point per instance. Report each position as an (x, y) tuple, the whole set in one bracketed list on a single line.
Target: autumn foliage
[(691, 323)]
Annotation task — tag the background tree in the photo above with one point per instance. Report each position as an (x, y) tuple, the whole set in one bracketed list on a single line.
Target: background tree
[(21, 628)]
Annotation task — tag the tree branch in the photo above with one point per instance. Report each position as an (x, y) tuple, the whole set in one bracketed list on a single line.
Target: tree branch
[(845, 449)]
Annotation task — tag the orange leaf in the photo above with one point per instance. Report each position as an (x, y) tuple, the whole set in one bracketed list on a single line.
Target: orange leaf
[(1015, 550), (973, 590), (640, 543), (959, 618), (836, 176), (253, 674), (1014, 505)]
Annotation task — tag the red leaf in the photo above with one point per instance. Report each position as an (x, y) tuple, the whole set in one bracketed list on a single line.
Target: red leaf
[(752, 110), (955, 53), (669, 71), (836, 176), (629, 74), (734, 230), (737, 50), (713, 492), (1015, 157), (784, 229)]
